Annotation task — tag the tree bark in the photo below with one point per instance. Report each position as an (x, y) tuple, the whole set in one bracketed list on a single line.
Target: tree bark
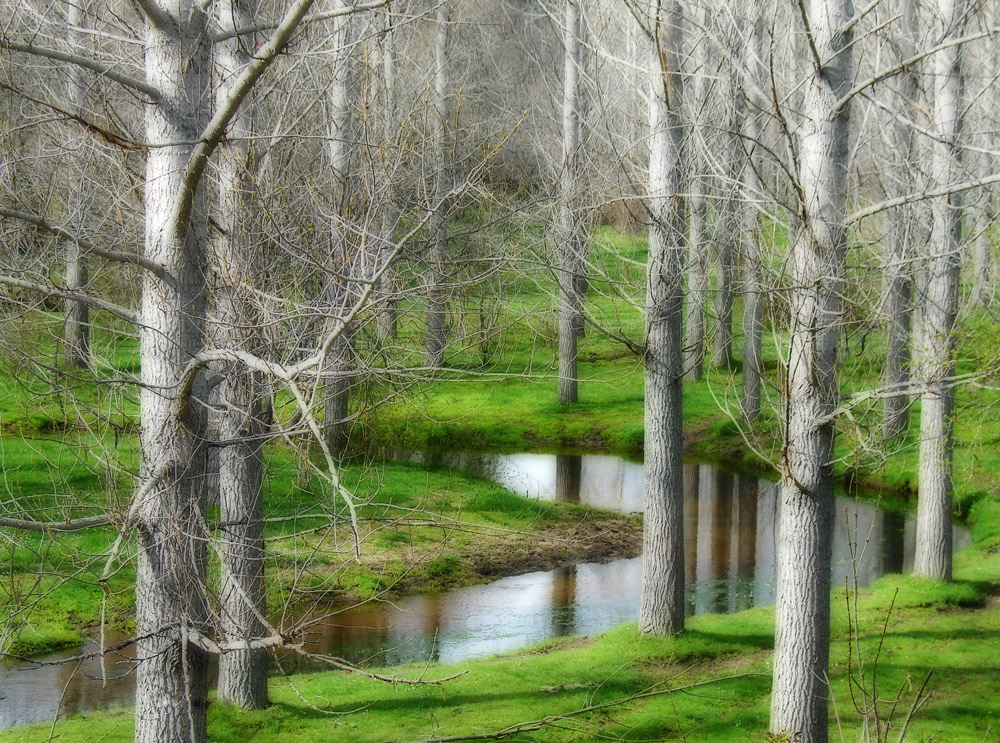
[(694, 339), (982, 252), (339, 292), (697, 267), (900, 226), (661, 609), (753, 194), (932, 558), (437, 293), (77, 274), (388, 311), (730, 208), (802, 625), (570, 229), (171, 672), (239, 396)]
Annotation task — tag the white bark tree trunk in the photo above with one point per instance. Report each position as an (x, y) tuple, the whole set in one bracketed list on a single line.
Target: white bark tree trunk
[(339, 290), (753, 192), (388, 312), (171, 675), (437, 293), (239, 396), (932, 558), (570, 231), (900, 227), (730, 209), (802, 627), (77, 274), (661, 609), (983, 287), (698, 259)]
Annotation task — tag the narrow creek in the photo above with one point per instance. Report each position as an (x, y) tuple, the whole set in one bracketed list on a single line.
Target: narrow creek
[(730, 525)]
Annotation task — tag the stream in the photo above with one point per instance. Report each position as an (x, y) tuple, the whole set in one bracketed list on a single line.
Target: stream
[(730, 526)]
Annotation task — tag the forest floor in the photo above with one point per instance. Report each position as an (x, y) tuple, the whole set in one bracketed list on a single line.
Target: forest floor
[(710, 684)]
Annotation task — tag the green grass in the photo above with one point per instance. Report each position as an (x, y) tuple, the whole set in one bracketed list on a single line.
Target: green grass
[(930, 629), (500, 394)]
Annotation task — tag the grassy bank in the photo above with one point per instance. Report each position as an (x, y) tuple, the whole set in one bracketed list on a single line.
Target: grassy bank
[(719, 668), (423, 528)]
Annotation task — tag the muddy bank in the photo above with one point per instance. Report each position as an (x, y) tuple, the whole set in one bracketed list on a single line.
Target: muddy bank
[(576, 534)]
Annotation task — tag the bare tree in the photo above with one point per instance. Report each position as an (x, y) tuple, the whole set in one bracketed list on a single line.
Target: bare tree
[(238, 418), (339, 291), (753, 194), (799, 695), (699, 102), (572, 240), (901, 224), (661, 608), (437, 292), (730, 209), (942, 264), (77, 276)]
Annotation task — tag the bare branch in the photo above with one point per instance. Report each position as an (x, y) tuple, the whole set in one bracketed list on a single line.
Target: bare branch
[(314, 18), (922, 196), (103, 132), (535, 725), (104, 70), (53, 291), (111, 255), (216, 128), (56, 527), (910, 61)]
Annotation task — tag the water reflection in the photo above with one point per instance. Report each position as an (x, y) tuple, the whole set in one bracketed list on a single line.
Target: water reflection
[(731, 527), (30, 694)]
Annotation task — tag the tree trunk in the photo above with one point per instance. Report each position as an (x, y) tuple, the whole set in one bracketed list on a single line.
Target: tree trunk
[(437, 294), (982, 251), (172, 672), (697, 268), (802, 625), (661, 609), (932, 558), (753, 256), (694, 339), (900, 226), (388, 311), (77, 275), (239, 396), (730, 208), (339, 292), (570, 228)]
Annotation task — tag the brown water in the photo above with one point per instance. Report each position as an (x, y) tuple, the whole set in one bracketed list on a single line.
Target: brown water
[(730, 523)]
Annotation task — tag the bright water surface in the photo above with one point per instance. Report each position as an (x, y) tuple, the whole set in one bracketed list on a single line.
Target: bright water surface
[(730, 526)]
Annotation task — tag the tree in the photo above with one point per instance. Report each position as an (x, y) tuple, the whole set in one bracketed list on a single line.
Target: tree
[(77, 276), (699, 103), (238, 420), (661, 609), (753, 193), (942, 263), (437, 292), (900, 227), (339, 292), (730, 210), (572, 238), (167, 514), (802, 621)]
